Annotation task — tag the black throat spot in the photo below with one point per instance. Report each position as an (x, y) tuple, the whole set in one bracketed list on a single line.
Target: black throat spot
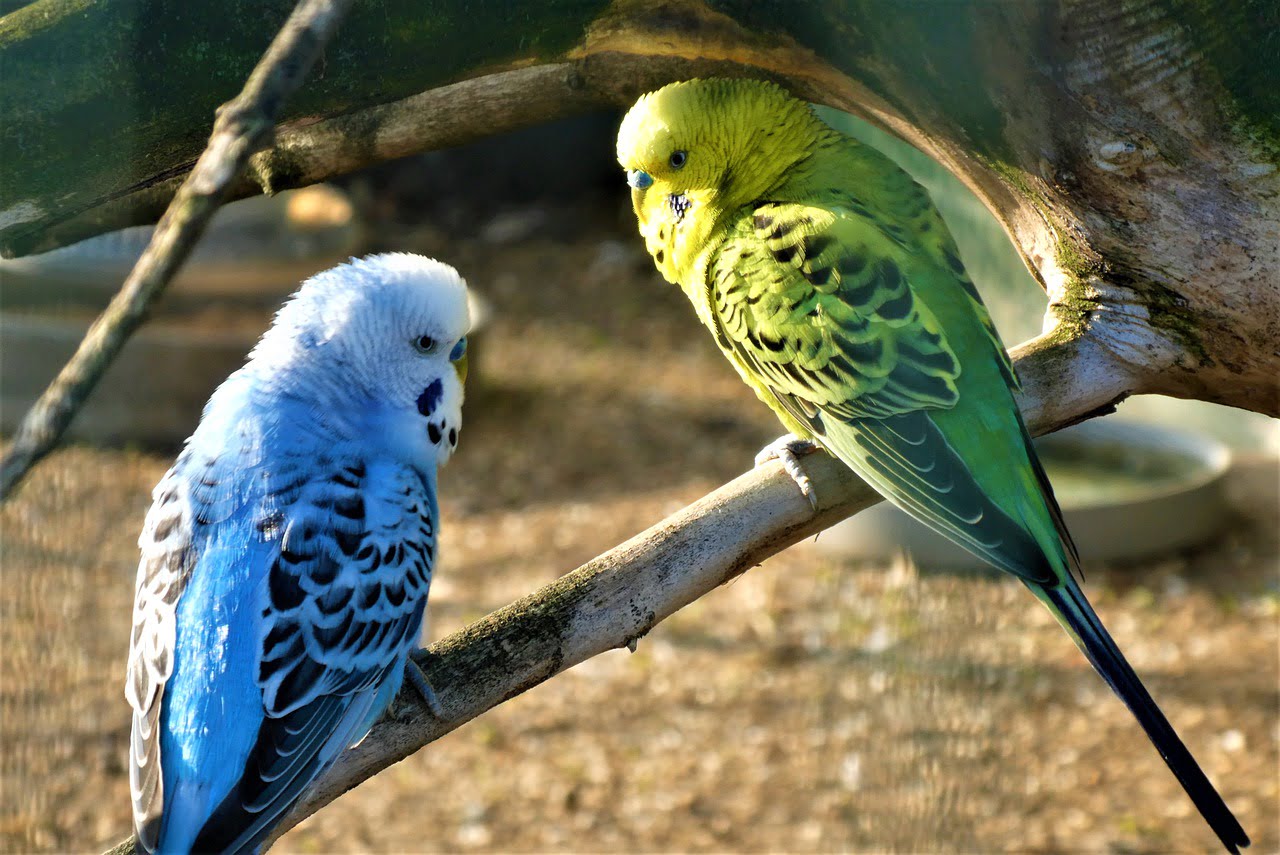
[(679, 205)]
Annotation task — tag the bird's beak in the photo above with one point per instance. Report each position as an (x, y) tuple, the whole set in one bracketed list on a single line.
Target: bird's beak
[(460, 366), (639, 179), (637, 197)]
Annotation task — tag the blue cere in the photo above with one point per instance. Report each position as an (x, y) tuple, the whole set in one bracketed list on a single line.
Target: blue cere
[(639, 179)]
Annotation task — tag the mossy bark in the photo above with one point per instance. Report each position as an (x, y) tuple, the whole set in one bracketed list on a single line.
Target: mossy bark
[(102, 97), (1130, 148)]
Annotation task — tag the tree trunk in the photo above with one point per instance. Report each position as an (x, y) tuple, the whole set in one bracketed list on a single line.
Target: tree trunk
[(1130, 148)]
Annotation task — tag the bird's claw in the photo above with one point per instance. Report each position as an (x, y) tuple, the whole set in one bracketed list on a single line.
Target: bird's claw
[(788, 449), (414, 677)]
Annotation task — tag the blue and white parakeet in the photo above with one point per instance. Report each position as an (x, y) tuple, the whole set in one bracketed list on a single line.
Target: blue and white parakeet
[(287, 554)]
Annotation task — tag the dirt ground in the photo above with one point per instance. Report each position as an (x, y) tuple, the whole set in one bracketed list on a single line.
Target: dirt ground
[(809, 706)]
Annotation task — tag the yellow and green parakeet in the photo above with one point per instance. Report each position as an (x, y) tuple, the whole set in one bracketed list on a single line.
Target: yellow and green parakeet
[(832, 285)]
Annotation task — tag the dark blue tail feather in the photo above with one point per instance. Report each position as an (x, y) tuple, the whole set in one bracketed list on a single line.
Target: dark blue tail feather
[(1107, 659)]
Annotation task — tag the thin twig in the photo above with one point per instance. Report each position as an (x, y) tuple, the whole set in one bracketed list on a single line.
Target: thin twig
[(620, 596), (243, 125)]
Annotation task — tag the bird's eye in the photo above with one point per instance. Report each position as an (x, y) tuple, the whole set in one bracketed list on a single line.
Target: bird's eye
[(678, 158), (424, 344), (459, 350)]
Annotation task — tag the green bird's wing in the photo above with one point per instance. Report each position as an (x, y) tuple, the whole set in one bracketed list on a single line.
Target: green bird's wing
[(822, 307)]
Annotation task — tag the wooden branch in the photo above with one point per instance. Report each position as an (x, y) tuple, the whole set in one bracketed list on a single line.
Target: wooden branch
[(615, 599), (243, 126)]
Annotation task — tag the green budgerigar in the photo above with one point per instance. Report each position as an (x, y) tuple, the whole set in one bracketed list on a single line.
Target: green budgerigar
[(832, 285)]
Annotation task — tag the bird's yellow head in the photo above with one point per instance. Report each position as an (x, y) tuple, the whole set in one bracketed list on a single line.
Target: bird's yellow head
[(698, 151)]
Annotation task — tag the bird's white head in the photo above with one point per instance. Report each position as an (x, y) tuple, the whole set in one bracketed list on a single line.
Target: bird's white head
[(376, 345)]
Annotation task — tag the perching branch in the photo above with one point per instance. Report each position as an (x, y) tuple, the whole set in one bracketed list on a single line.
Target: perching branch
[(615, 599), (243, 126)]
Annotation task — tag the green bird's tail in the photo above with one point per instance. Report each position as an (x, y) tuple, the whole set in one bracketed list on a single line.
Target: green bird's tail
[(1073, 611)]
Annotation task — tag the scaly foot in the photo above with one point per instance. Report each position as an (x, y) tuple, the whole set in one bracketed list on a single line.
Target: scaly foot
[(789, 448), (414, 677)]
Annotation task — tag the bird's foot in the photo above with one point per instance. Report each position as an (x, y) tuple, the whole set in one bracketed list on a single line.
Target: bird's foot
[(788, 449), (414, 677)]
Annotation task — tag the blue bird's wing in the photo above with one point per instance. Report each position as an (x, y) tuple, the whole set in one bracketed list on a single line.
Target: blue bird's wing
[(335, 592)]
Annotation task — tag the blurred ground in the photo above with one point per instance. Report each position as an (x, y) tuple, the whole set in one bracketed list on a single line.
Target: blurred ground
[(808, 706)]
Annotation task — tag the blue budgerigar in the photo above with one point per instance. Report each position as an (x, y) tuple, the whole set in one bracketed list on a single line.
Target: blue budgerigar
[(287, 554)]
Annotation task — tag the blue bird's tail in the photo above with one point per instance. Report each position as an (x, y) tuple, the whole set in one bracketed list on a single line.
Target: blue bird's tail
[(1069, 605)]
